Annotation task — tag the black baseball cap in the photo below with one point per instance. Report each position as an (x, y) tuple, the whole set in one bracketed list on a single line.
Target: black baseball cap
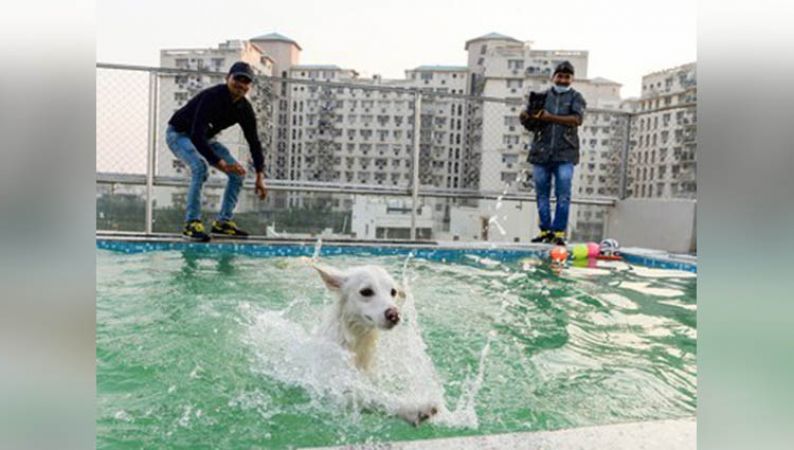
[(242, 68), (564, 67)]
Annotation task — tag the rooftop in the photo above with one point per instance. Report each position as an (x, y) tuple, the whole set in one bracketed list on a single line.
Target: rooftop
[(432, 68), (490, 36), (602, 80), (316, 67), (275, 37)]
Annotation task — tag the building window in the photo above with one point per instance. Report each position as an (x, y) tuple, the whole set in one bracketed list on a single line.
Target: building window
[(510, 139), (509, 177), (509, 159)]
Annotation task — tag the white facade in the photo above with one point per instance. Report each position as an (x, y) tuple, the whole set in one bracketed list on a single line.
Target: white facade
[(348, 135), (492, 221), (389, 218)]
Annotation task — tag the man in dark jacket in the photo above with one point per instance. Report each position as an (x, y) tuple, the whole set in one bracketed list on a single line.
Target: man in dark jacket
[(555, 151), (190, 136)]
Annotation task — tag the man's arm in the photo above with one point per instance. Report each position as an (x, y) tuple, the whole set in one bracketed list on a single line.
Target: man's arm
[(248, 124), (574, 120), (198, 131)]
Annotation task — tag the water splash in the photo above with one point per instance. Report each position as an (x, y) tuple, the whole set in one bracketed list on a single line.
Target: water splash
[(317, 247), (405, 280), (403, 375), (495, 220), (464, 414)]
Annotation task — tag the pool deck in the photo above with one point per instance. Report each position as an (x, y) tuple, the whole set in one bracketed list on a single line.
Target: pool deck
[(674, 434), (131, 241)]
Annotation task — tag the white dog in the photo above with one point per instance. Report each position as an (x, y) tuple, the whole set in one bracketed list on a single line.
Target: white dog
[(367, 302)]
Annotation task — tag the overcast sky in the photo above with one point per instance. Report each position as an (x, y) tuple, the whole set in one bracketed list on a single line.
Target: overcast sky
[(626, 39)]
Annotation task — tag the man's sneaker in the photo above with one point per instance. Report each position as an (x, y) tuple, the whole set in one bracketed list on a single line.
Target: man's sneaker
[(558, 238), (543, 237), (194, 231), (227, 228)]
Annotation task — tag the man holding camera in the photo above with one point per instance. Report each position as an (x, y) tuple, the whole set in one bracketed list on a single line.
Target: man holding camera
[(555, 151)]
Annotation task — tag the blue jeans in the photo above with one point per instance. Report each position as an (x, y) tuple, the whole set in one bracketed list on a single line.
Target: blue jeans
[(563, 176), (181, 146)]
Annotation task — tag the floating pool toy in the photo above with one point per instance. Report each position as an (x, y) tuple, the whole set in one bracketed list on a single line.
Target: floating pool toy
[(585, 263), (579, 251), (609, 247), (558, 253), (593, 249), (609, 250)]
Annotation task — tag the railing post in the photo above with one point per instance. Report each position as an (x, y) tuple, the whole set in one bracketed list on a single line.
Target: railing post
[(624, 161), (415, 162), (150, 149)]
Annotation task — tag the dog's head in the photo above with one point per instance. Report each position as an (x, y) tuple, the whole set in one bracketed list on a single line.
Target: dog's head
[(368, 294)]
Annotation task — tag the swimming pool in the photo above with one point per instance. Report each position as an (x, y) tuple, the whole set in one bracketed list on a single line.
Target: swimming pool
[(212, 345)]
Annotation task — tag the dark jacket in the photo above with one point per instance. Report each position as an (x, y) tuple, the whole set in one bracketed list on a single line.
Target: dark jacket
[(556, 142), (211, 111)]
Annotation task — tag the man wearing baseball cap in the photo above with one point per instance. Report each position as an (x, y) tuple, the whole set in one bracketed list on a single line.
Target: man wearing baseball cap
[(190, 136), (555, 151)]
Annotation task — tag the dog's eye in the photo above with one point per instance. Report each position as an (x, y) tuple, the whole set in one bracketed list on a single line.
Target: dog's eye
[(367, 292), (393, 292)]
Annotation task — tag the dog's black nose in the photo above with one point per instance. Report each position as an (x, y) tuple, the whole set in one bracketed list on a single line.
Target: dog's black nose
[(393, 316)]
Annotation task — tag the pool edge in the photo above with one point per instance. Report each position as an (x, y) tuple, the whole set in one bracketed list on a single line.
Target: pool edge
[(668, 434), (138, 242)]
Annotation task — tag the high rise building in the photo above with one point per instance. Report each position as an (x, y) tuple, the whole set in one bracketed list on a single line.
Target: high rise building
[(662, 161)]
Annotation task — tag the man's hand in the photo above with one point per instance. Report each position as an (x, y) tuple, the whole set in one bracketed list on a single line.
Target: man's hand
[(524, 116), (259, 186), (573, 120), (237, 168)]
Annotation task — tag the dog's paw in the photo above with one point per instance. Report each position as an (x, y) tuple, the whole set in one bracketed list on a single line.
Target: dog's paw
[(416, 415)]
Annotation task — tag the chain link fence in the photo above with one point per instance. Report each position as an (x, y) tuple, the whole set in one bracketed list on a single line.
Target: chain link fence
[(122, 120), (348, 150)]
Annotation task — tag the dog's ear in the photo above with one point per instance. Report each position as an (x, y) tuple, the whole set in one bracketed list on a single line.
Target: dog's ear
[(401, 294), (332, 278)]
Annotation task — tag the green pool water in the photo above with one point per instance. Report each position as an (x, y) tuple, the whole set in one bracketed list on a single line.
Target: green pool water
[(218, 350)]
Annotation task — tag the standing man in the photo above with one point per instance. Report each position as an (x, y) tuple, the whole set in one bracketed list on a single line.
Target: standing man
[(555, 151), (190, 136)]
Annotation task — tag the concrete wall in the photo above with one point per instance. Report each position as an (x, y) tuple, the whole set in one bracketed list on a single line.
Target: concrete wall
[(515, 222), (667, 224)]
